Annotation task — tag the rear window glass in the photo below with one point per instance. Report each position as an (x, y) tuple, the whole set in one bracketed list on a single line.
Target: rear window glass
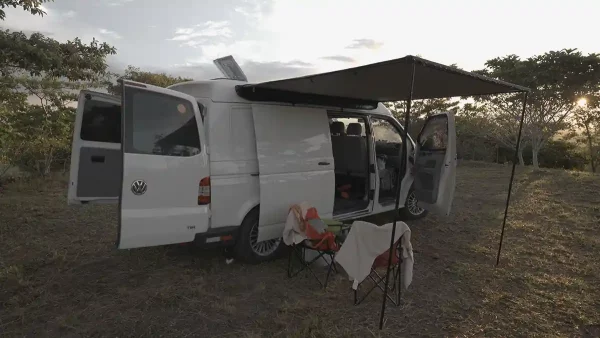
[(101, 122), (160, 124)]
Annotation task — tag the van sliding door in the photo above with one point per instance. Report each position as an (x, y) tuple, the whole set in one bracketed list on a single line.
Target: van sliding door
[(295, 161)]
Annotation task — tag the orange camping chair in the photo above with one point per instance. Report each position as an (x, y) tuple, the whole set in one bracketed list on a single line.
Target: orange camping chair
[(319, 240)]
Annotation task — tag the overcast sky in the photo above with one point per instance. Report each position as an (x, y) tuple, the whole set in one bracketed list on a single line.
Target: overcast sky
[(276, 39)]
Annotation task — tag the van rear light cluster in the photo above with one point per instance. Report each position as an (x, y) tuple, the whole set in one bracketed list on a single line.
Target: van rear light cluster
[(204, 191)]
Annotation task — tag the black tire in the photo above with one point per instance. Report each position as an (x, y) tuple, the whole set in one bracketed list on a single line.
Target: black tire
[(409, 212), (243, 247)]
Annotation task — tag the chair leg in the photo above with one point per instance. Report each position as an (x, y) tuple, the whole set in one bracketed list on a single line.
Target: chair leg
[(330, 268), (379, 283), (289, 267), (300, 253)]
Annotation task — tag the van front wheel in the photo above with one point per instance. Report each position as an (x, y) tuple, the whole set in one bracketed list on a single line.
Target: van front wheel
[(249, 249), (411, 210)]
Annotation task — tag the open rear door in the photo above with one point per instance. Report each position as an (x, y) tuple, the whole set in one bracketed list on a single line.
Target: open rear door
[(165, 168), (435, 164), (95, 174), (295, 160)]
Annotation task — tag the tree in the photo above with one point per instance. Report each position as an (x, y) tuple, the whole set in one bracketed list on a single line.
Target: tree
[(475, 134), (38, 67), (556, 79), (136, 74), (38, 55), (586, 118), (38, 134), (420, 111), (499, 117), (32, 6)]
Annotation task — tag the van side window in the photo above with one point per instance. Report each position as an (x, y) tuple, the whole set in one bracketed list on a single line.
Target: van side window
[(101, 122), (159, 124)]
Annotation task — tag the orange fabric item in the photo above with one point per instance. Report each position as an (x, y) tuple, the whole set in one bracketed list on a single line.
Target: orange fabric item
[(320, 241), (382, 260)]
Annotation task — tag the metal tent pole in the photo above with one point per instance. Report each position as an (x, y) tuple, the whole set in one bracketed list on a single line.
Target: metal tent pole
[(398, 182), (512, 176)]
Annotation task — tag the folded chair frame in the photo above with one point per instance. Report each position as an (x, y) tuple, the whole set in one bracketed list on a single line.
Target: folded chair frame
[(298, 251), (394, 293)]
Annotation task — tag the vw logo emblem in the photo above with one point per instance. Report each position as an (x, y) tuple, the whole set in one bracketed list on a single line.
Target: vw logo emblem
[(138, 187)]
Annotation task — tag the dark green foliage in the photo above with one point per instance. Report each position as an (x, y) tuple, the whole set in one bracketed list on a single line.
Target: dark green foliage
[(31, 6), (135, 74)]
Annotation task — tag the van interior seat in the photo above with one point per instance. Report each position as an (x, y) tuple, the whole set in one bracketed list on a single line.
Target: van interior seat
[(338, 134), (354, 129), (355, 150)]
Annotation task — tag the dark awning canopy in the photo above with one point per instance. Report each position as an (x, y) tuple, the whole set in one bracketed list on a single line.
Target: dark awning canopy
[(365, 86)]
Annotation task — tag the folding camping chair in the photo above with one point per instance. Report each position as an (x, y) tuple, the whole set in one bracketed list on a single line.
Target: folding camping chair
[(325, 244), (394, 293)]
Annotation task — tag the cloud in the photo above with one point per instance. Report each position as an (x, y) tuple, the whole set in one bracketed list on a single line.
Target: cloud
[(339, 58), (365, 43), (60, 25), (69, 14), (200, 32), (109, 33), (254, 10), (254, 70), (293, 63), (119, 3), (275, 70)]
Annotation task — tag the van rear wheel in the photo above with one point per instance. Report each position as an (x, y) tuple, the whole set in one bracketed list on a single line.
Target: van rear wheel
[(249, 249)]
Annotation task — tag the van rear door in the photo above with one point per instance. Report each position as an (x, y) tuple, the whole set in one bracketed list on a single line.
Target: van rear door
[(95, 174), (295, 161), (165, 192), (435, 164)]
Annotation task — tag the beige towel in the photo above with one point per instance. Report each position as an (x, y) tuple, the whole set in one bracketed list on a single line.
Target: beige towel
[(365, 242), (294, 231)]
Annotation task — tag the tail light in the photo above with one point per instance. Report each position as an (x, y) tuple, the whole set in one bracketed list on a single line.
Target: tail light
[(204, 191)]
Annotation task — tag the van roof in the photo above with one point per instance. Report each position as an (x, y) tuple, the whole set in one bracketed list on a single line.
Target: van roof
[(223, 90)]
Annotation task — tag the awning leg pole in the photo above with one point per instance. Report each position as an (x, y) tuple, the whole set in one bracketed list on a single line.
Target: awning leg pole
[(399, 177), (512, 176)]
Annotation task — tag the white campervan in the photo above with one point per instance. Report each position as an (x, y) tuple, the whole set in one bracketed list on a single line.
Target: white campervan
[(196, 162)]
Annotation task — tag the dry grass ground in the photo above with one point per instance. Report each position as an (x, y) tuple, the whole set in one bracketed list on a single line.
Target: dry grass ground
[(60, 274)]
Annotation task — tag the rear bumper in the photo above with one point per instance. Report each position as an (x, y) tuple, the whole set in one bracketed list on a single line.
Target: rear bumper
[(217, 237)]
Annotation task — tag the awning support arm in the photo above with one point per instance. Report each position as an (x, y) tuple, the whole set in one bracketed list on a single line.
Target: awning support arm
[(512, 176), (401, 173)]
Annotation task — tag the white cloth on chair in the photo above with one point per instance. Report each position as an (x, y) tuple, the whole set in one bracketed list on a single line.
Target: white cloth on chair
[(294, 231), (365, 242)]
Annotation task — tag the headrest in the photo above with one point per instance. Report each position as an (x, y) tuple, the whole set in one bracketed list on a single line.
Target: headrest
[(337, 127), (354, 129)]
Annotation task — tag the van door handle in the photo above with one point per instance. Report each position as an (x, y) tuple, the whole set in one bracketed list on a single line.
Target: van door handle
[(98, 159), (323, 163)]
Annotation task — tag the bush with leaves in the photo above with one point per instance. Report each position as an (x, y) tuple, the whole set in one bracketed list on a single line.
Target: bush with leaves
[(49, 72), (136, 74)]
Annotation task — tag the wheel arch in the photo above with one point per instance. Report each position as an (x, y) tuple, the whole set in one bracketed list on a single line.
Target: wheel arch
[(246, 209)]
